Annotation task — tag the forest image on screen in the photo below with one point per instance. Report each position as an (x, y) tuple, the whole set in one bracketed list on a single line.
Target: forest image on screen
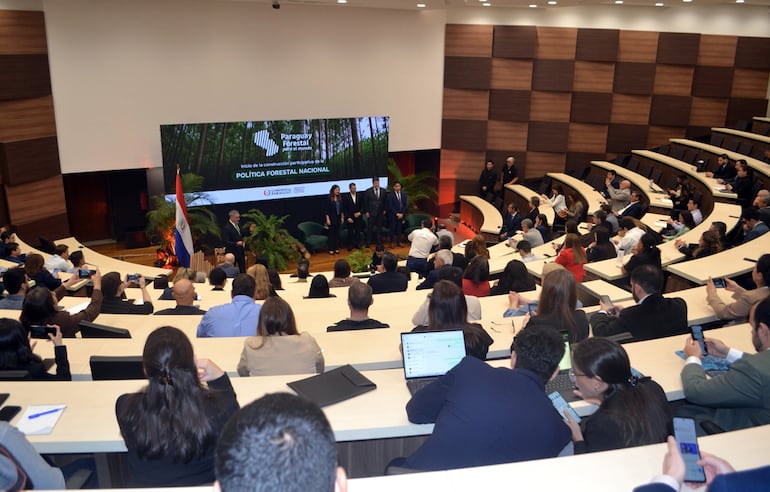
[(264, 160)]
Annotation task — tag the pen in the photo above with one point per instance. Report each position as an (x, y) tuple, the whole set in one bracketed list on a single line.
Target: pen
[(40, 414)]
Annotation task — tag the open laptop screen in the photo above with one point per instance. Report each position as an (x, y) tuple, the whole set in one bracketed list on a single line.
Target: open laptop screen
[(431, 353)]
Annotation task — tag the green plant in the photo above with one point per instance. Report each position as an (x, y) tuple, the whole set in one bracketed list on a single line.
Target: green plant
[(420, 186), (359, 260), (268, 239), (161, 219)]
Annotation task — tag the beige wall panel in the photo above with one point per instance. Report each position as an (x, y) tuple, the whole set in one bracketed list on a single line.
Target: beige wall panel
[(468, 40), (22, 33), (33, 201), (466, 104), (27, 119), (511, 74), (706, 111), (556, 43), (506, 135), (630, 109), (593, 77), (674, 80), (638, 46), (717, 51), (585, 137), (550, 106)]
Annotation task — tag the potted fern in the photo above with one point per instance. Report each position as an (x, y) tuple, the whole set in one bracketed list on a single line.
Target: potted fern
[(269, 239)]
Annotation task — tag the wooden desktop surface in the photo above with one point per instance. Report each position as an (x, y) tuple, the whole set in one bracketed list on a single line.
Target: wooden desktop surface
[(709, 184), (657, 197)]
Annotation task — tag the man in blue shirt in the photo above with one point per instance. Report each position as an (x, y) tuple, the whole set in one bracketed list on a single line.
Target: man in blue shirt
[(236, 319)]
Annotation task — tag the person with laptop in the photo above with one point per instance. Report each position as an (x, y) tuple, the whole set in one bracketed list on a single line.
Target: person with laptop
[(485, 415), (633, 410)]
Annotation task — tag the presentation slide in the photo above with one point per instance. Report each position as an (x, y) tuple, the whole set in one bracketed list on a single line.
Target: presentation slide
[(250, 161)]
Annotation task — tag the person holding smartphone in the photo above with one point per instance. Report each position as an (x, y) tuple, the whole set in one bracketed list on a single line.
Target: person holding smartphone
[(633, 411), (16, 353), (743, 299)]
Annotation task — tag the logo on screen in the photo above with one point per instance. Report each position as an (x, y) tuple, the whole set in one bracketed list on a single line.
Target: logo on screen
[(262, 140)]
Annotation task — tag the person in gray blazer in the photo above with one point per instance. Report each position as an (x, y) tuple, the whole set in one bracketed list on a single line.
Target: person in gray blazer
[(740, 397)]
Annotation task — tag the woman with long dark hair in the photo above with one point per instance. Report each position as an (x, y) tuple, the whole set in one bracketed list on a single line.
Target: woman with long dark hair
[(541, 224), (33, 266), (601, 248), (476, 277), (572, 256), (171, 427), (278, 348), (16, 353), (633, 410), (684, 225), (708, 244), (515, 278), (645, 253), (333, 219)]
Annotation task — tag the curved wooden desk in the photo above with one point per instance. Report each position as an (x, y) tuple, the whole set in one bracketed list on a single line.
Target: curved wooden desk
[(592, 198), (761, 169), (655, 198), (520, 195), (481, 216)]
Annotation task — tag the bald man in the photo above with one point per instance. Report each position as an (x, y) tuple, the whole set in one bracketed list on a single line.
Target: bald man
[(184, 295), (229, 266), (619, 197)]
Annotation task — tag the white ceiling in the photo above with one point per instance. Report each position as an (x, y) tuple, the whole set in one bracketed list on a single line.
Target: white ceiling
[(477, 4)]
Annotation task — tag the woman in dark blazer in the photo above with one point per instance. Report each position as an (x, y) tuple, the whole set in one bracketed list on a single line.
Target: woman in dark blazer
[(16, 353), (333, 219)]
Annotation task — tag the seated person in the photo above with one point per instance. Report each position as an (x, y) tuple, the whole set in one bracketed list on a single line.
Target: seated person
[(278, 442), (319, 288), (485, 415), (708, 244), (303, 270), (262, 287), (739, 398), (16, 353), (15, 280), (753, 227), (632, 411), (738, 310), (181, 272), (237, 318), (33, 265), (60, 260), (342, 276), (601, 248), (452, 274), (443, 258), (184, 295), (277, 347), (359, 299), (217, 279), (388, 279), (515, 278), (22, 455), (275, 281), (78, 260), (114, 301), (653, 316), (229, 266), (525, 250), (476, 277), (530, 234), (13, 253), (646, 252)]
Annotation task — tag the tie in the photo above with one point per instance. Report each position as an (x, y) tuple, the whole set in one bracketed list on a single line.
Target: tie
[(398, 197), (377, 193)]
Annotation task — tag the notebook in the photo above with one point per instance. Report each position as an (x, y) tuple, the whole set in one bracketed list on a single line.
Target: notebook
[(562, 383), (430, 354), (333, 386)]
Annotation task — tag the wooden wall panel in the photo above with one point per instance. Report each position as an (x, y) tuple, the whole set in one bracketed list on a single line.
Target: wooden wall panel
[(676, 48), (511, 74), (670, 110), (504, 135), (499, 157), (744, 109), (625, 138), (750, 84), (509, 105), (22, 33), (550, 106), (4, 217), (659, 135), (547, 136), (717, 51), (464, 135), (27, 118), (673, 80), (630, 109), (707, 111), (638, 46), (457, 164), (713, 81), (597, 45), (468, 40), (466, 104), (591, 107), (49, 227), (753, 53), (553, 75), (514, 42), (24, 76), (634, 78), (467, 72), (540, 163), (593, 76), (556, 43), (34, 201), (587, 138), (23, 161)]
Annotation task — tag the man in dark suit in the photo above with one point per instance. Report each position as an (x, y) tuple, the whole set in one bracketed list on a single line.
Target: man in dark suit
[(724, 171), (720, 475), (653, 316), (634, 209), (352, 208), (375, 211), (397, 211), (511, 222), (232, 236), (388, 280)]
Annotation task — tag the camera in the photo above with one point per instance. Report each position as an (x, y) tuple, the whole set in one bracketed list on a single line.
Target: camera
[(276, 4)]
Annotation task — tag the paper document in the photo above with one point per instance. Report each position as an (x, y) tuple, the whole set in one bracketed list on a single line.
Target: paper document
[(78, 307), (40, 419)]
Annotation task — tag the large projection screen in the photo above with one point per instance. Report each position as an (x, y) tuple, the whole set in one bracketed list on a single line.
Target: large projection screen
[(249, 161)]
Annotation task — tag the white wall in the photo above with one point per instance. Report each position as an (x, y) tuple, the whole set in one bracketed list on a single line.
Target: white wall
[(120, 69)]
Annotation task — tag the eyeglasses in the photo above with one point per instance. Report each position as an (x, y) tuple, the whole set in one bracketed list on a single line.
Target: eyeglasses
[(573, 375)]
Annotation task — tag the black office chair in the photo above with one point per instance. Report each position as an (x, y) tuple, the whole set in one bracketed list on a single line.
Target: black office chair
[(107, 368), (717, 140), (13, 375), (93, 330)]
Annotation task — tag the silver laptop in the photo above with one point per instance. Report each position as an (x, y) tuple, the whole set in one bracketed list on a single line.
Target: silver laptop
[(430, 354), (562, 383)]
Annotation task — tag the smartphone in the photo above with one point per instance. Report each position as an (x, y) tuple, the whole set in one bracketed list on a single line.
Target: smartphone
[(40, 331), (85, 273), (55, 272), (605, 299), (560, 404), (9, 412), (697, 335), (719, 283), (684, 432)]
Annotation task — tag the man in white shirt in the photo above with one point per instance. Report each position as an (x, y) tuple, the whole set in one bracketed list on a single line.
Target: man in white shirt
[(59, 261), (693, 205), (525, 250), (423, 240), (628, 236)]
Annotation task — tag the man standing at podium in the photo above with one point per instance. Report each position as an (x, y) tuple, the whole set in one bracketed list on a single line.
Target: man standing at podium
[(232, 236)]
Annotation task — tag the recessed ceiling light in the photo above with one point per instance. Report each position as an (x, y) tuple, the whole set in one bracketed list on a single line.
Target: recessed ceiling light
[(342, 1), (486, 4), (533, 5), (551, 2), (618, 2), (659, 4), (687, 1), (420, 5), (738, 1)]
